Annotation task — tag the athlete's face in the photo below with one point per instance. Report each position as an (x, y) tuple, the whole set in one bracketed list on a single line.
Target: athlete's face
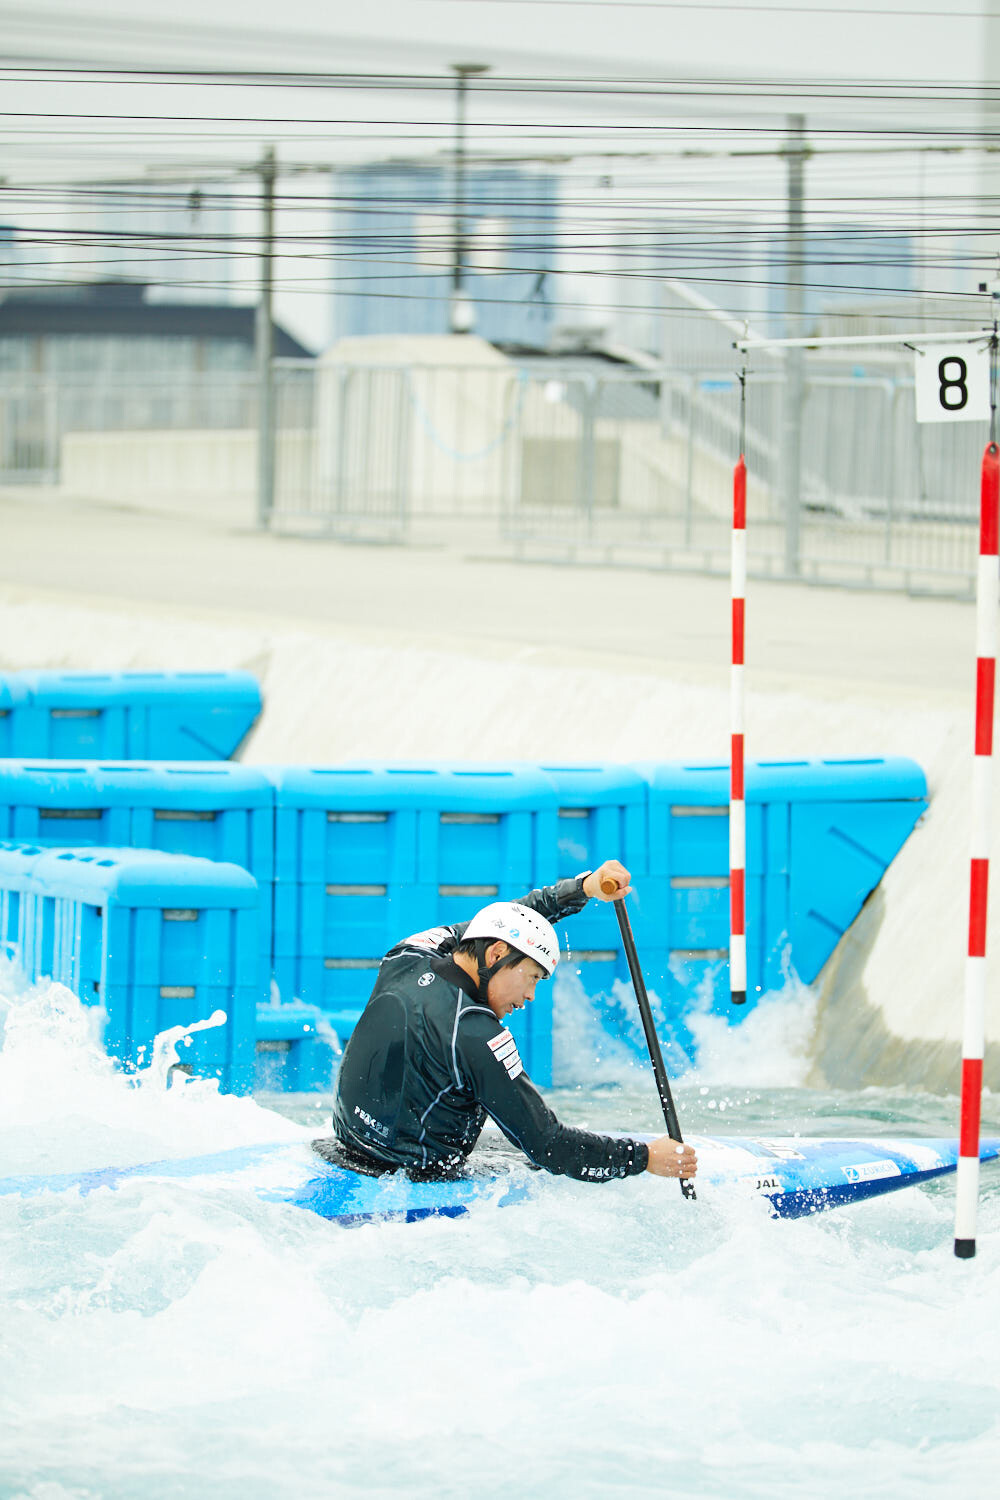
[(513, 986)]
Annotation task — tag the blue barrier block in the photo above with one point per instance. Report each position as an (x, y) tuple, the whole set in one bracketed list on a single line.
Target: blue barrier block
[(158, 941), (602, 815), (433, 824), (295, 1050), (134, 715), (338, 986), (221, 811), (218, 811), (364, 856), (60, 802), (820, 834), (20, 940), (838, 854), (14, 698)]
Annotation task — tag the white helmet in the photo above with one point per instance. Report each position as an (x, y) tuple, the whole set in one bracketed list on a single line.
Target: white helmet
[(520, 928)]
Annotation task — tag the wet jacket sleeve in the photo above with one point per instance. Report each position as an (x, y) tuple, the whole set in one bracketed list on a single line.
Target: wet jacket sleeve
[(563, 899), (553, 902), (488, 1057)]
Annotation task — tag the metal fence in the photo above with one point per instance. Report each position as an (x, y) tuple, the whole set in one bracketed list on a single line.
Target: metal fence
[(579, 462), (37, 414), (879, 500)]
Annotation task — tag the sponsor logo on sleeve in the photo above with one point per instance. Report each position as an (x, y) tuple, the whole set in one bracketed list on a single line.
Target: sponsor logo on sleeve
[(504, 1049), (432, 938), (425, 979)]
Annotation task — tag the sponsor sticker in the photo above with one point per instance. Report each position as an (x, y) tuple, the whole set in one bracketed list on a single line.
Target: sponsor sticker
[(870, 1171), (783, 1150), (763, 1184), (504, 1049)]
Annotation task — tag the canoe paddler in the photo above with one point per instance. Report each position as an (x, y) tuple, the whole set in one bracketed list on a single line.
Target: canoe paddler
[(431, 1058)]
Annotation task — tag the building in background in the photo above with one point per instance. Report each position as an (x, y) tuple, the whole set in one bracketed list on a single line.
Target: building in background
[(845, 266), (176, 238), (395, 233), (98, 357), (109, 329)]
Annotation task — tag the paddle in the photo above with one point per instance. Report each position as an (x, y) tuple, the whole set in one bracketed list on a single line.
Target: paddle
[(652, 1041)]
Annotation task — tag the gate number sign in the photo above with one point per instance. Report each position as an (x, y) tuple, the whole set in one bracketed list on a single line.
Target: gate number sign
[(952, 383)]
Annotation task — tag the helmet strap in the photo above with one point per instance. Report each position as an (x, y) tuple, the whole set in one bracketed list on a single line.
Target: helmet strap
[(486, 973)]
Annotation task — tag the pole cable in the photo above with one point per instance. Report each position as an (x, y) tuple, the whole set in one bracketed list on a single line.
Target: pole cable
[(737, 799), (973, 1028)]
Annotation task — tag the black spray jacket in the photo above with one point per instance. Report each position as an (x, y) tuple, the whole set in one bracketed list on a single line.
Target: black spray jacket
[(427, 1062)]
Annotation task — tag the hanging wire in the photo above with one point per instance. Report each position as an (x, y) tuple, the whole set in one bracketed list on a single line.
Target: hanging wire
[(994, 370)]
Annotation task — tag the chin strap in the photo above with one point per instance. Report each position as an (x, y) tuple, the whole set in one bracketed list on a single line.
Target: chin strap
[(486, 974)]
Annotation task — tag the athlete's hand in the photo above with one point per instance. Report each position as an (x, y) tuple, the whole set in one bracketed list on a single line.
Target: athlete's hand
[(669, 1158), (612, 874)]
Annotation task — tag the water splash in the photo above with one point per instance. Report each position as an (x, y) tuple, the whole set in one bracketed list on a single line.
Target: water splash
[(600, 1041), (165, 1063), (771, 1047), (65, 1106)]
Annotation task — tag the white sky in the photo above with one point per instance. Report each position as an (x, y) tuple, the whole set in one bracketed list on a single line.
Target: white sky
[(931, 39)]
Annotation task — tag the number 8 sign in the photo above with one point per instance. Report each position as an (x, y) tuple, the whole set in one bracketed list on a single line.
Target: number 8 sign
[(953, 382)]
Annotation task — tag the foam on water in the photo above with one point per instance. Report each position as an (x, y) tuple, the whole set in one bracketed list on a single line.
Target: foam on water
[(605, 1341)]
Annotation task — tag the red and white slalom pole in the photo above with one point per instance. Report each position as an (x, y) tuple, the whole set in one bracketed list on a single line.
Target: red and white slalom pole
[(973, 1038), (737, 803)]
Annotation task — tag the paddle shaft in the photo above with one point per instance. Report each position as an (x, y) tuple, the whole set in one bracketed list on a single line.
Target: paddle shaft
[(652, 1040)]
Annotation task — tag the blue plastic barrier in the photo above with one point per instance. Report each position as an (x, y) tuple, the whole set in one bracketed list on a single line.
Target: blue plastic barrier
[(14, 698), (364, 856), (820, 834), (19, 936), (219, 811), (157, 941), (602, 815), (127, 715), (296, 1051)]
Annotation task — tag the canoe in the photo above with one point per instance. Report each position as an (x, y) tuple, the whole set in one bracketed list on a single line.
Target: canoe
[(796, 1175)]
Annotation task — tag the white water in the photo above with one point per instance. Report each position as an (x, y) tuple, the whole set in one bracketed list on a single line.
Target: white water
[(156, 1342)]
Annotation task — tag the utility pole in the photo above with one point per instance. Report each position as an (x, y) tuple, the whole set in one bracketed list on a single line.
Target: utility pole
[(264, 346), (462, 314), (796, 153)]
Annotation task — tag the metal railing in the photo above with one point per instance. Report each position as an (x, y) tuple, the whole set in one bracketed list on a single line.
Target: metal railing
[(37, 413), (571, 462)]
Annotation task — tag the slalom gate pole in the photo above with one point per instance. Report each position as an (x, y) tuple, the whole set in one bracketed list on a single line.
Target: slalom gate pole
[(737, 802), (973, 1039), (649, 1028)]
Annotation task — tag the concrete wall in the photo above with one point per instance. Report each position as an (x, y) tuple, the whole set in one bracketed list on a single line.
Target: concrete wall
[(211, 463)]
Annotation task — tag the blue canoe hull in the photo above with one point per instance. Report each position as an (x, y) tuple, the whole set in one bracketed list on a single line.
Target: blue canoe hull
[(797, 1176)]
